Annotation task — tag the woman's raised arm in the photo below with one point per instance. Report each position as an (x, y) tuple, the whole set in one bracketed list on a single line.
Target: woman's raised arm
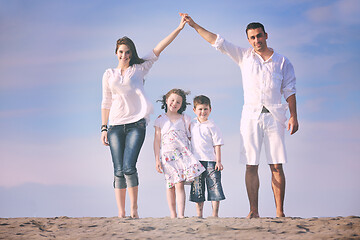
[(166, 41)]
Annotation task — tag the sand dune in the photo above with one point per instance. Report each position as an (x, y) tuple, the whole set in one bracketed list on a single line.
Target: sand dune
[(188, 228)]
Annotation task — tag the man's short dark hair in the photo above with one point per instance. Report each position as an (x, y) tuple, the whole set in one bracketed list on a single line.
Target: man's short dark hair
[(255, 25)]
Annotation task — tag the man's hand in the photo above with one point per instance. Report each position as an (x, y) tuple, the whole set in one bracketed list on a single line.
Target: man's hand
[(293, 125), (188, 19)]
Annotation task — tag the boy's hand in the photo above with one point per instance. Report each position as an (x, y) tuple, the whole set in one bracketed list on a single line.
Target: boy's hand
[(158, 166), (219, 166)]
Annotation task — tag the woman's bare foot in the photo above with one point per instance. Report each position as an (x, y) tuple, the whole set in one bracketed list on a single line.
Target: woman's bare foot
[(121, 214)]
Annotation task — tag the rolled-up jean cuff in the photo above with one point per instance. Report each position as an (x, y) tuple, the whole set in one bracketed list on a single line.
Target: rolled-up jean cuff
[(132, 180), (119, 182)]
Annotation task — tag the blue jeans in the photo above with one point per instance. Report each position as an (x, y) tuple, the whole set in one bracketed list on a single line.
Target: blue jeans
[(125, 143), (212, 178)]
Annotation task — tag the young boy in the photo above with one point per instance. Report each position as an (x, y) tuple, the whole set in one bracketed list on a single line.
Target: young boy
[(206, 141)]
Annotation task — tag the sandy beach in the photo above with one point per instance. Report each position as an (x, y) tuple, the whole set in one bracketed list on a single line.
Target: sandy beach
[(188, 228)]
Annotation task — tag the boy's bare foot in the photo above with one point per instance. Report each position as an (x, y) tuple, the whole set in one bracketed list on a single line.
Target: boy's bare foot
[(253, 215)]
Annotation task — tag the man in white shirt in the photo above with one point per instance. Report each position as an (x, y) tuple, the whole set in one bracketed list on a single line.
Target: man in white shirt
[(266, 76)]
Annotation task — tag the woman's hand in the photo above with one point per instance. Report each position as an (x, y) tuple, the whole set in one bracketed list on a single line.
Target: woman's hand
[(182, 22), (187, 19), (104, 138)]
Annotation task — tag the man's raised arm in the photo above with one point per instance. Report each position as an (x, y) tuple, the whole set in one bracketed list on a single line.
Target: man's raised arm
[(208, 36)]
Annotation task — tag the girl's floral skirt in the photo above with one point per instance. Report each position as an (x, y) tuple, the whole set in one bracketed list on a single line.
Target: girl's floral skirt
[(178, 163)]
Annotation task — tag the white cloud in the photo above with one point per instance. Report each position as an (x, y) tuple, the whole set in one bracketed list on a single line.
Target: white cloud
[(339, 12)]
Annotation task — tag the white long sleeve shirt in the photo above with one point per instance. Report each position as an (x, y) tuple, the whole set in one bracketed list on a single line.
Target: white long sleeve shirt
[(264, 82), (124, 95)]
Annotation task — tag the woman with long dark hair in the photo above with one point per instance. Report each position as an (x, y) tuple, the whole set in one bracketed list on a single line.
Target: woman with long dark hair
[(124, 113)]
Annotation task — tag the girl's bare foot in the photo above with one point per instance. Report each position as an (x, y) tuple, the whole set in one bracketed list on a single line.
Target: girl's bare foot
[(134, 215)]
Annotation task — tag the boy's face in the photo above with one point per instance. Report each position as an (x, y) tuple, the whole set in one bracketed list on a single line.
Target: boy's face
[(202, 112)]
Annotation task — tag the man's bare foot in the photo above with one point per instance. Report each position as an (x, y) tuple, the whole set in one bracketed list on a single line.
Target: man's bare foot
[(253, 215), (280, 215)]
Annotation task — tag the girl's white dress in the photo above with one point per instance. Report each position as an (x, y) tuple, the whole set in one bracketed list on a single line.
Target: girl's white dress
[(177, 161)]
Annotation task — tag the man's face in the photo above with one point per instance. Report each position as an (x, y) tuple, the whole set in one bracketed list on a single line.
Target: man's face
[(257, 39)]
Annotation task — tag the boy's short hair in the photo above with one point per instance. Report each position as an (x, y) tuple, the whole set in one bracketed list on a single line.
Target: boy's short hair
[(202, 99)]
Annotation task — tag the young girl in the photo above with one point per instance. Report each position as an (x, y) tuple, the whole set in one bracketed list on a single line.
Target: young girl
[(176, 161)]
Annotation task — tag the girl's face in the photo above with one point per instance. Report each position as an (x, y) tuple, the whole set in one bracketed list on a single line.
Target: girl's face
[(124, 54), (174, 103)]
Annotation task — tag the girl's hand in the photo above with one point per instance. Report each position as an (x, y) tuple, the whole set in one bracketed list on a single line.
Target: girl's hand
[(104, 138), (219, 166), (158, 166)]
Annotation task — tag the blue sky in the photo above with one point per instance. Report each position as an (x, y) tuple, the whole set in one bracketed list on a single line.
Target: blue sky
[(53, 55)]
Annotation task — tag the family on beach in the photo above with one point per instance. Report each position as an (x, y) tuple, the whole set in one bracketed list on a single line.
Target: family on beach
[(188, 151)]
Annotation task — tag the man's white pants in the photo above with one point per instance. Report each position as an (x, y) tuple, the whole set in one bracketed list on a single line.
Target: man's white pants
[(255, 132)]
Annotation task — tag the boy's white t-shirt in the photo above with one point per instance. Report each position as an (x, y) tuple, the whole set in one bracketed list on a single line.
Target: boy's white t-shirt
[(204, 136)]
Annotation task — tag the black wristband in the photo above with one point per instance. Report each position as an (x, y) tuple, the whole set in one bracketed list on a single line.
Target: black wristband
[(103, 126), (104, 130)]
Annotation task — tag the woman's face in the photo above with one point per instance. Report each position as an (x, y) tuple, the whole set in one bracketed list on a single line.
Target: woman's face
[(174, 103), (124, 54)]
